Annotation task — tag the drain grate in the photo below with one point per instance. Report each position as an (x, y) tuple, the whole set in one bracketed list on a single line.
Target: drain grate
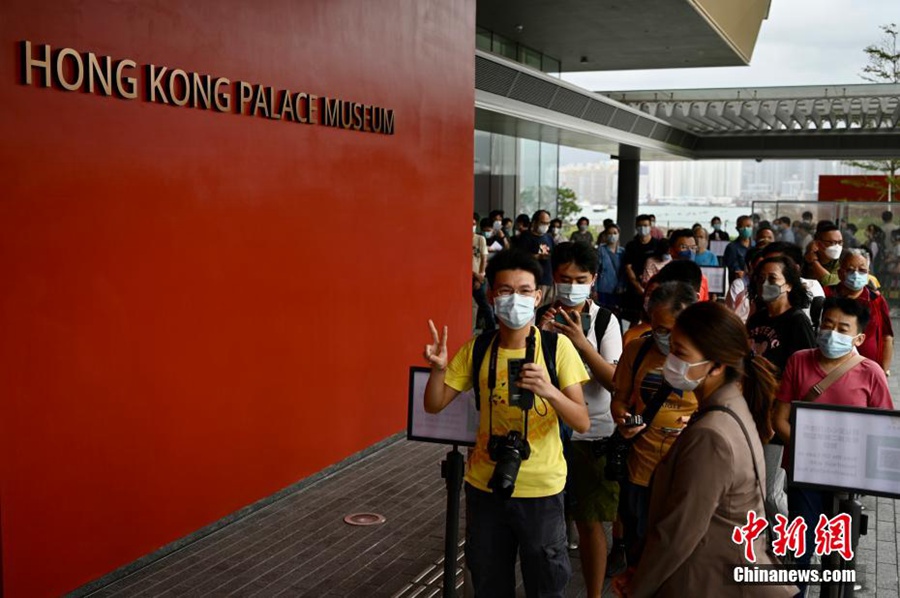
[(364, 519)]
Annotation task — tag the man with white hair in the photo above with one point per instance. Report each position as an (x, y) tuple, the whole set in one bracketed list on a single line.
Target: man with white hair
[(854, 284)]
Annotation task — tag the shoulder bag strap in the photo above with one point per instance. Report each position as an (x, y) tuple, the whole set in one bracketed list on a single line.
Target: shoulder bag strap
[(749, 445), (832, 377)]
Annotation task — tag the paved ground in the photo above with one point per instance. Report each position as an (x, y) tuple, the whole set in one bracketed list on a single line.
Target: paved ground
[(300, 545)]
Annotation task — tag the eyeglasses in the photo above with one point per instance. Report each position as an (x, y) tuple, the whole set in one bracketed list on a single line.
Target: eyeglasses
[(857, 270), (507, 291)]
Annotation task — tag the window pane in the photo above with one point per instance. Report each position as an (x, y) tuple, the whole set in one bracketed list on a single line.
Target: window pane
[(483, 39), (549, 176), (551, 66), (503, 46), (529, 176), (529, 57)]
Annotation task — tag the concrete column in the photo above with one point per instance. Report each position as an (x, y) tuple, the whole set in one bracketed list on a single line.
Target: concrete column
[(629, 188)]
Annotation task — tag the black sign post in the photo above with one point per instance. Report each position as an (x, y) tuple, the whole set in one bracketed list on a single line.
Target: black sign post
[(456, 425), (452, 472)]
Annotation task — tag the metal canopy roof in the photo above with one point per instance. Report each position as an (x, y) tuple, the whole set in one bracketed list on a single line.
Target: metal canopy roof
[(847, 122), (844, 108)]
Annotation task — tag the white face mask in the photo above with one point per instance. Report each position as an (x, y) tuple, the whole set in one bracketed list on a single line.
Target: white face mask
[(612, 238), (474, 229), (543, 228), (675, 373), (833, 252), (514, 311), (572, 294), (497, 225), (643, 231)]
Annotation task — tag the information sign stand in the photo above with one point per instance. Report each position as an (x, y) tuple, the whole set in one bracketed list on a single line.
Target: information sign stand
[(457, 426), (849, 450)]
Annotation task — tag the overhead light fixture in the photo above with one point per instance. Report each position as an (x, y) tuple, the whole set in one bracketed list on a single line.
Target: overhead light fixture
[(584, 60), (519, 28)]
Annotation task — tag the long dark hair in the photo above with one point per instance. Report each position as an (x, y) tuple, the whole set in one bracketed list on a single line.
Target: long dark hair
[(797, 297), (721, 337)]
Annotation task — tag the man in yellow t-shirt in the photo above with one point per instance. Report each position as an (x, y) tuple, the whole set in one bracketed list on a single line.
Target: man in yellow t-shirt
[(633, 391), (531, 522)]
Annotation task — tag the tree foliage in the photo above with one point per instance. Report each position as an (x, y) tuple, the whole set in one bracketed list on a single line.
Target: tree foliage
[(566, 205), (884, 57), (883, 66)]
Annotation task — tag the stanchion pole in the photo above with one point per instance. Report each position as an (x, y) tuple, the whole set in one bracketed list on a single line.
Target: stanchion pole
[(858, 525), (452, 471)]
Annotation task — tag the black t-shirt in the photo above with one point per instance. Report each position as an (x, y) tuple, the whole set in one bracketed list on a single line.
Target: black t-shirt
[(636, 254), (532, 244), (778, 338)]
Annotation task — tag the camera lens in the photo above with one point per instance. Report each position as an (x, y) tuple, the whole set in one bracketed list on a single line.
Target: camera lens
[(508, 452), (503, 481)]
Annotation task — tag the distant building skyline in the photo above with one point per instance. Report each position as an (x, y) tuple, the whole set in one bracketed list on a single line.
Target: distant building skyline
[(725, 182)]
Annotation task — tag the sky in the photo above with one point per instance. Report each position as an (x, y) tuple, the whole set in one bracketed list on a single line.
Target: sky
[(804, 42)]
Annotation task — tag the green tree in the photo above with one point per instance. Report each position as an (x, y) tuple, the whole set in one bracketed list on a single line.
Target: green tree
[(883, 66), (566, 205)]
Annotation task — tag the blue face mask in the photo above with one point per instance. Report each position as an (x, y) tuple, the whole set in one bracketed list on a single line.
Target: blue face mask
[(717, 227), (515, 311), (855, 281), (572, 294), (687, 254), (745, 232), (662, 341), (833, 344)]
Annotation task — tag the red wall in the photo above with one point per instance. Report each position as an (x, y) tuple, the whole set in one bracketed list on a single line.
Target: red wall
[(201, 308), (834, 187)]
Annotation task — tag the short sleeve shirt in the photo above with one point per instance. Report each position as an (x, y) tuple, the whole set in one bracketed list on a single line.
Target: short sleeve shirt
[(609, 345), (479, 249), (863, 386), (651, 446), (531, 243), (544, 472), (637, 254), (778, 338)]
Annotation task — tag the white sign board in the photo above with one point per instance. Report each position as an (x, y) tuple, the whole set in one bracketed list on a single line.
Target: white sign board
[(456, 424), (717, 278), (718, 247), (846, 448)]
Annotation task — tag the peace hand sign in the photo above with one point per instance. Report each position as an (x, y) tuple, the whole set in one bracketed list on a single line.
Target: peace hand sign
[(436, 354)]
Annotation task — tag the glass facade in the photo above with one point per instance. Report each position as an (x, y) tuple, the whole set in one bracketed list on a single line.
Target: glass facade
[(515, 175), (495, 43)]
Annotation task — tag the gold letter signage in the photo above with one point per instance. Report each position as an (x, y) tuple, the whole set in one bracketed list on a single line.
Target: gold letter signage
[(70, 70)]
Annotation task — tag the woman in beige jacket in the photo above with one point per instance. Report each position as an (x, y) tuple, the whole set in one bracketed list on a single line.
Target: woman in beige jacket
[(708, 481)]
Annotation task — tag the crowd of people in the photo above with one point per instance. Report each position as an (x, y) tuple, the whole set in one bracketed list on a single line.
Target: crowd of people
[(657, 407)]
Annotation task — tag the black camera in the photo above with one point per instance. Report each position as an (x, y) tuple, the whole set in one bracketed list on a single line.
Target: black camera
[(518, 397), (508, 452), (616, 450), (634, 421)]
